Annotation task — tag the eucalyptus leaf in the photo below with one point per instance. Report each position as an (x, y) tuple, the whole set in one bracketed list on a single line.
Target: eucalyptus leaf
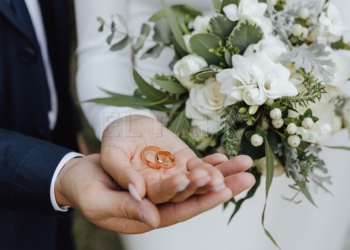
[(149, 91), (162, 32), (122, 21), (221, 26), (110, 37), (175, 29), (153, 52), (170, 86), (203, 76), (121, 44), (245, 34), (201, 44), (145, 30), (228, 58), (180, 9)]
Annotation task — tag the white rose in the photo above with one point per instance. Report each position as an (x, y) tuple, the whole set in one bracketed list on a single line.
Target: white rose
[(273, 47), (203, 139), (188, 65), (205, 106), (261, 166)]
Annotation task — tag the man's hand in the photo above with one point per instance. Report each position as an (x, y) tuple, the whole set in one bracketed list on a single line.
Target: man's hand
[(84, 185)]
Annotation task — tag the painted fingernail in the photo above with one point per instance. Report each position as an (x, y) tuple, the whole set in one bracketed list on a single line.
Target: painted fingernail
[(182, 186), (133, 192), (202, 183), (145, 218), (218, 187)]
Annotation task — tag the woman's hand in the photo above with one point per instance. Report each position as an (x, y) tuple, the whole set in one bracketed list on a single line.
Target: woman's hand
[(122, 145)]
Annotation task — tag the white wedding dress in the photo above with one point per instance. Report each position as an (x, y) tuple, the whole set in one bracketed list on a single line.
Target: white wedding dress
[(295, 227)]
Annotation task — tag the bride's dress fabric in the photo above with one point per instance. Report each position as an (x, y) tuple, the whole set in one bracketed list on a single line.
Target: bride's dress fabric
[(295, 227)]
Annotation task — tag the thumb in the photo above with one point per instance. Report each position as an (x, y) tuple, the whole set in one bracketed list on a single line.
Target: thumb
[(116, 206), (118, 166)]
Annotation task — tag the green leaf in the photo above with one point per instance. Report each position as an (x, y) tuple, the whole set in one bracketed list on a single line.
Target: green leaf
[(180, 9), (249, 195), (102, 22), (170, 16), (145, 30), (221, 26), (305, 191), (170, 86), (337, 147), (162, 32), (270, 166), (245, 34), (201, 44), (227, 2), (179, 52), (123, 101), (110, 37), (179, 123), (149, 91), (203, 76), (123, 21), (217, 5), (121, 44), (153, 52)]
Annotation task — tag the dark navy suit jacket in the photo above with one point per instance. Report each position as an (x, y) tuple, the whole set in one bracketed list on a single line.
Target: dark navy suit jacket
[(29, 150)]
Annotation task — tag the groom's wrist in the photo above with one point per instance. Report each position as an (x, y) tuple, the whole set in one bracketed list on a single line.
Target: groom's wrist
[(58, 197)]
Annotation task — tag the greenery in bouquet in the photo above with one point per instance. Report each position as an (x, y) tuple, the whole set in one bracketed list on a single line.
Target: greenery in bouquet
[(260, 78)]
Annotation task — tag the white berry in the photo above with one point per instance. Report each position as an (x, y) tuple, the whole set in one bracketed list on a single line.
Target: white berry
[(305, 33), (297, 30), (294, 141), (304, 13), (292, 128), (275, 114), (307, 123), (269, 102), (278, 123), (256, 140)]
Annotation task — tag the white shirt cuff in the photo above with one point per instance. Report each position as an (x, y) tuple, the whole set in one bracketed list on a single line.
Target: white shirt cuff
[(60, 165)]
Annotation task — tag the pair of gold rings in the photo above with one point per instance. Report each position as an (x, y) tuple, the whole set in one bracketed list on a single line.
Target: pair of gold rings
[(161, 158)]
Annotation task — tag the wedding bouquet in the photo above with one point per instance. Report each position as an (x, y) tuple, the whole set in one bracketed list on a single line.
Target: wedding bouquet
[(260, 78)]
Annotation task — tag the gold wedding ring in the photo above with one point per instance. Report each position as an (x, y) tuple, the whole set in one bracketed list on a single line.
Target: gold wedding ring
[(161, 158)]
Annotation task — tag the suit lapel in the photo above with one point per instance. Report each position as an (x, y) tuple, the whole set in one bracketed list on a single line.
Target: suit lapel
[(23, 24)]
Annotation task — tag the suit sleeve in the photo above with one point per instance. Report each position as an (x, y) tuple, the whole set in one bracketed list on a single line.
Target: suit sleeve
[(27, 166)]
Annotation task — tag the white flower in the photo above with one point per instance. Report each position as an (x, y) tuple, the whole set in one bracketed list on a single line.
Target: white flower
[(273, 48), (188, 65), (330, 27), (261, 166), (200, 24), (204, 139), (329, 122), (259, 80), (250, 10), (205, 106), (341, 72)]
